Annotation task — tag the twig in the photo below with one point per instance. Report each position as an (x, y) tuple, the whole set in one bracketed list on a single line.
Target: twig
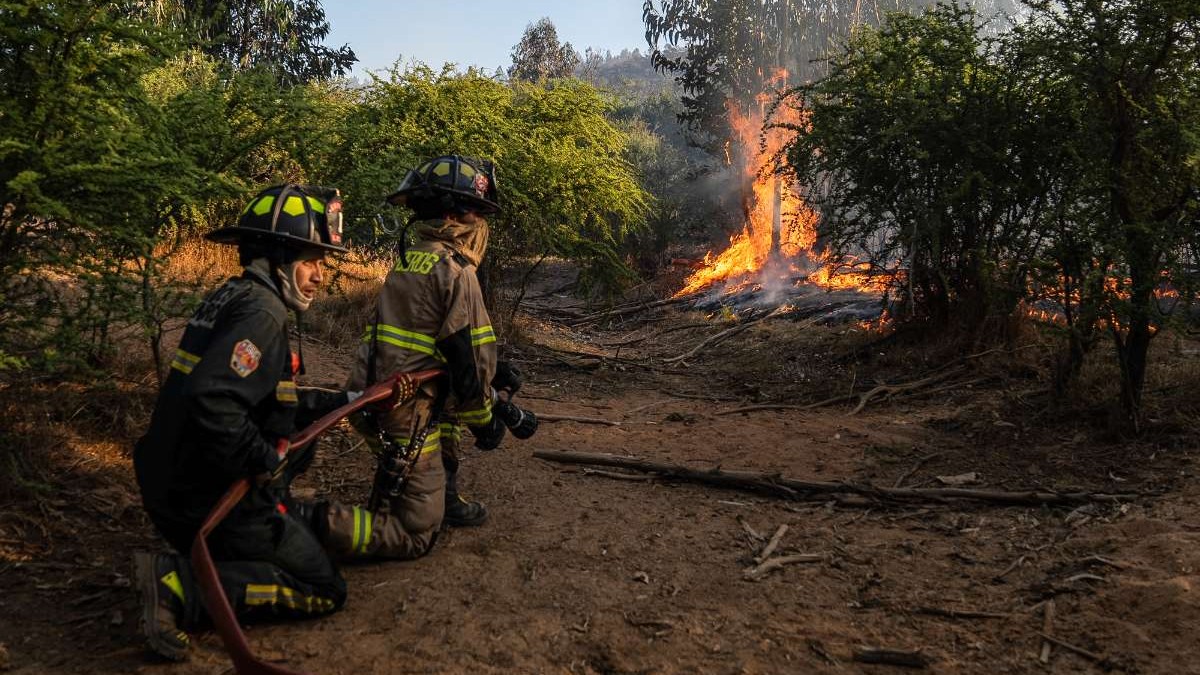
[(778, 562), (750, 531), (640, 408), (544, 417), (904, 476), (891, 657), (1071, 648), (890, 389), (1047, 628), (727, 332), (631, 309), (1007, 570), (617, 475), (700, 397), (801, 489), (773, 544), (960, 613)]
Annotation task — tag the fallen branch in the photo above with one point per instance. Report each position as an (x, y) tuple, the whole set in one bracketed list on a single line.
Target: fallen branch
[(904, 476), (776, 563), (1091, 656), (545, 417), (959, 613), (617, 475), (1047, 628), (631, 309), (726, 333), (791, 488), (890, 389), (892, 657), (700, 397), (773, 544)]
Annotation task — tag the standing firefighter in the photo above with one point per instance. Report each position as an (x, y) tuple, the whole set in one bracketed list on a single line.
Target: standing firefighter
[(228, 399), (431, 314)]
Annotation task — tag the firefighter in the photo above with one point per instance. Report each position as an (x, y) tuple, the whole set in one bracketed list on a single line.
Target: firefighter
[(230, 395), (431, 314)]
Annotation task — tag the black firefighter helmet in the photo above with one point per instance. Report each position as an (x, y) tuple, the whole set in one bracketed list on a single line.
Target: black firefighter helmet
[(295, 217), (448, 182)]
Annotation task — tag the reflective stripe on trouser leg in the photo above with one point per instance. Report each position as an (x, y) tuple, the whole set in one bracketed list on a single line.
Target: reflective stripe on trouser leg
[(404, 530)]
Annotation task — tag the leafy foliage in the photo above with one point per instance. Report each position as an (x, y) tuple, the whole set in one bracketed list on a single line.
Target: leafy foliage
[(283, 36), (1056, 164), (566, 187)]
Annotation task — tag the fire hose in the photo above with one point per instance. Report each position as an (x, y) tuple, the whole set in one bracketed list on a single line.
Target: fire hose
[(244, 660)]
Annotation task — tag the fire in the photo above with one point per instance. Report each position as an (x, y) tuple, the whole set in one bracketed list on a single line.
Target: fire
[(772, 206)]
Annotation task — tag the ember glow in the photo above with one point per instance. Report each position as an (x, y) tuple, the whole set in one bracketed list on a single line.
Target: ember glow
[(771, 205)]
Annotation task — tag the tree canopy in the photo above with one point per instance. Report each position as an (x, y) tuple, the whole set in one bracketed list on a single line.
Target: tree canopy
[(539, 56)]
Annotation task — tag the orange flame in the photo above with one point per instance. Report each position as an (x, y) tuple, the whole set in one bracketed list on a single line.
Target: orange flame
[(771, 196)]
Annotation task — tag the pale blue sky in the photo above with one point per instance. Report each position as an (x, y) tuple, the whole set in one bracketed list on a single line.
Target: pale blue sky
[(474, 32)]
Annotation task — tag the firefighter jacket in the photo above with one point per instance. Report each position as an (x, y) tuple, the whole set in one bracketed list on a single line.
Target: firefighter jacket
[(229, 396), (431, 315)]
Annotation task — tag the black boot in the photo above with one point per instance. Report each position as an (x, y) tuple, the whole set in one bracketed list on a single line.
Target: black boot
[(461, 512), (160, 593)]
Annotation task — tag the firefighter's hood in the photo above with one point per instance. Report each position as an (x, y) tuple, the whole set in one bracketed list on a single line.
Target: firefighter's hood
[(469, 241)]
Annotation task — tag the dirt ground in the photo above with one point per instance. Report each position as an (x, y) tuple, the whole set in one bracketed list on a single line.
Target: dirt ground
[(585, 572)]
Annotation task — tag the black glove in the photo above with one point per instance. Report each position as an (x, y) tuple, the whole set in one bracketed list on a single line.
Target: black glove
[(507, 378), (488, 436), (522, 423)]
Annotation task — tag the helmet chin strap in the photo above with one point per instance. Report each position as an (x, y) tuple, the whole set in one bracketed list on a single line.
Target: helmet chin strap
[(289, 288)]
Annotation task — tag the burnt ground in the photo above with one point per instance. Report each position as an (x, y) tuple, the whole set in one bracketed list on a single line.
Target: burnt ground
[(586, 572)]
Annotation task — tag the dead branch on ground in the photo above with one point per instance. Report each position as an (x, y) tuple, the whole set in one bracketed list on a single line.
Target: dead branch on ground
[(892, 657), (545, 417), (959, 613), (1091, 656), (778, 562), (791, 488), (631, 309), (728, 332)]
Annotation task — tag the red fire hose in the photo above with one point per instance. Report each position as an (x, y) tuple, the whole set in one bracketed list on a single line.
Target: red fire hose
[(244, 661)]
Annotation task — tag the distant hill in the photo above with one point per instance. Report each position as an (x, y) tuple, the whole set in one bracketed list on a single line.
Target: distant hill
[(629, 73)]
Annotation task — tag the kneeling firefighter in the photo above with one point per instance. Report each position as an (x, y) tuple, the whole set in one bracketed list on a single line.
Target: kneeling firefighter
[(431, 314), (229, 397)]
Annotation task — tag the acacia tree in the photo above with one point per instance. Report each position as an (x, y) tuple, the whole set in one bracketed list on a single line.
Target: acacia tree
[(539, 56), (88, 173), (1132, 70), (566, 186), (930, 164)]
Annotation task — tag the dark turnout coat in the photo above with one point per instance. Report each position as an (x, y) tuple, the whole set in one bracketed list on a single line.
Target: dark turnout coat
[(229, 396)]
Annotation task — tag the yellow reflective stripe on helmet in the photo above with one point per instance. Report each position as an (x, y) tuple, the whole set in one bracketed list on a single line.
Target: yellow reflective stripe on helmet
[(482, 336), (184, 362), (285, 391), (273, 594), (171, 580), (263, 205), (404, 339)]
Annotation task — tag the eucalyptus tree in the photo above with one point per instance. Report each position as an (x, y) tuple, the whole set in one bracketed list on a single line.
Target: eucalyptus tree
[(285, 36), (539, 56)]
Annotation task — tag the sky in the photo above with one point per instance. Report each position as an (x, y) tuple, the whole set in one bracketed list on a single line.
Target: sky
[(474, 32)]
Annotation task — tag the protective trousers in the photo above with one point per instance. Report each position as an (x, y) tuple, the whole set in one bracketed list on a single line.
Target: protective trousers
[(405, 528), (270, 565)]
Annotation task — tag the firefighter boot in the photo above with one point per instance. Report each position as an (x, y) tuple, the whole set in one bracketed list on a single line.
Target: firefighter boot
[(161, 598), (461, 512)]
